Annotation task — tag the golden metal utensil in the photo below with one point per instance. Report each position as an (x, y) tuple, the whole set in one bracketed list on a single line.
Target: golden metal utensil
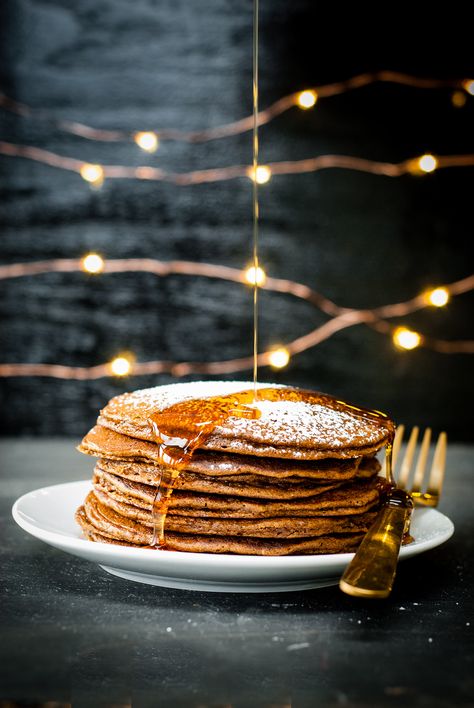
[(372, 570)]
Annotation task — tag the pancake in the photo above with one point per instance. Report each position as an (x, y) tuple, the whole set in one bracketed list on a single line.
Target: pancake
[(237, 485), (103, 442), (342, 543), (300, 477), (271, 527), (152, 474), (109, 522), (350, 499), (301, 425)]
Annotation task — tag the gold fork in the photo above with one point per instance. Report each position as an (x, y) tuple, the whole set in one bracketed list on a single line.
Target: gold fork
[(372, 570)]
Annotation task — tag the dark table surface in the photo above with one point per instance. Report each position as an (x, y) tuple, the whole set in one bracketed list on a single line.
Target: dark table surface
[(73, 634)]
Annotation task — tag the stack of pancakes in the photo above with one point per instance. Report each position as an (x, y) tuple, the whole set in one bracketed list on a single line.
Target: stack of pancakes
[(300, 479)]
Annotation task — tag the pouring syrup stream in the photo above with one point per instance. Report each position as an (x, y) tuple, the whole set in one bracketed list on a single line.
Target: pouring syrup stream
[(255, 205)]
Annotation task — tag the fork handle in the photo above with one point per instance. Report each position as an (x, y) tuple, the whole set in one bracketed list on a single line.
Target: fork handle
[(372, 570)]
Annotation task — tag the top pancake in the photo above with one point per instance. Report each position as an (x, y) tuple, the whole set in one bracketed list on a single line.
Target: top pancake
[(317, 427)]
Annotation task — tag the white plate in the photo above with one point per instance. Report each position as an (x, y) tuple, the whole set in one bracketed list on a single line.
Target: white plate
[(48, 514)]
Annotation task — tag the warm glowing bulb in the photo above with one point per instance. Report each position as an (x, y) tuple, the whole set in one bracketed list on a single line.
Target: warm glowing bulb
[(438, 297), (261, 175), (279, 358), (406, 338), (92, 263), (468, 85), (255, 276), (147, 141), (94, 174), (458, 99), (427, 163), (307, 99), (121, 366)]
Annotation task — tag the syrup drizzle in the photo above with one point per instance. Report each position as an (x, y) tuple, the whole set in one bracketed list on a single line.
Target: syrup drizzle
[(178, 431), (255, 206), (389, 445), (181, 428)]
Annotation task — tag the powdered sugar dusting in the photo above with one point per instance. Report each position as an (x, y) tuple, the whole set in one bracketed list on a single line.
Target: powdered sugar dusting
[(291, 420), (285, 423)]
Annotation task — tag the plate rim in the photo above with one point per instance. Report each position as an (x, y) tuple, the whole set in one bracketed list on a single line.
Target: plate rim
[(329, 560)]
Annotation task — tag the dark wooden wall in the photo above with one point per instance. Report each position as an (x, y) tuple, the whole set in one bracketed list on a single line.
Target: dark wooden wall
[(361, 240)]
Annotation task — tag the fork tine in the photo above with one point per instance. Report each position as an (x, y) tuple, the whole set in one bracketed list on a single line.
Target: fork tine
[(421, 462), (438, 466), (407, 460), (397, 441)]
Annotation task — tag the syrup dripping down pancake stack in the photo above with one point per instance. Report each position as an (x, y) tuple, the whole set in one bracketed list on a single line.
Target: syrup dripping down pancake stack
[(199, 467)]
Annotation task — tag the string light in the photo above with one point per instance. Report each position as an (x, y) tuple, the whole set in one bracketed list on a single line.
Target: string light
[(255, 276), (340, 318), (262, 174), (438, 297), (458, 99), (147, 141), (94, 174), (122, 365), (92, 263), (468, 86), (406, 338), (279, 358), (427, 163), (307, 99), (244, 124)]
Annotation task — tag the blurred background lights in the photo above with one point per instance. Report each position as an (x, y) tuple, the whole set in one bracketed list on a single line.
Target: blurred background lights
[(307, 99), (438, 297), (261, 175), (406, 338), (92, 263), (458, 99), (121, 365), (147, 141), (94, 174), (255, 276), (427, 163), (279, 358)]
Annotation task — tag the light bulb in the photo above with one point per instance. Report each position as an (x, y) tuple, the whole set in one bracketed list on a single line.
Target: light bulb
[(427, 163), (121, 365), (279, 358), (458, 99), (94, 174), (406, 338), (255, 276), (92, 263), (468, 86), (147, 141), (438, 297), (261, 175), (307, 99)]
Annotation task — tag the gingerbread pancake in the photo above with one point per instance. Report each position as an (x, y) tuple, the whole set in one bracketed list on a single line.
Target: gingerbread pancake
[(97, 517), (352, 498), (342, 543), (240, 485), (106, 443), (297, 424)]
